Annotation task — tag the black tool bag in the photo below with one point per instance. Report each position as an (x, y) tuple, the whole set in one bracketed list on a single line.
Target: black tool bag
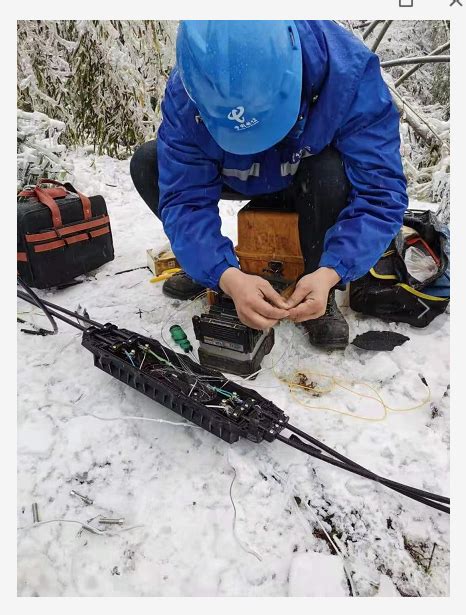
[(390, 292), (61, 234)]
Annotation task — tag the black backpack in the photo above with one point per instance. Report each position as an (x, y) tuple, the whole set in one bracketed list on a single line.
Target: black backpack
[(388, 291)]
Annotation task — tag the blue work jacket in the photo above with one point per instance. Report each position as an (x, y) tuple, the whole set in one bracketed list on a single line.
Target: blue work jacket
[(345, 103)]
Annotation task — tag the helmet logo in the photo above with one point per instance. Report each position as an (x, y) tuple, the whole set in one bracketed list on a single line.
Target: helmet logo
[(237, 115)]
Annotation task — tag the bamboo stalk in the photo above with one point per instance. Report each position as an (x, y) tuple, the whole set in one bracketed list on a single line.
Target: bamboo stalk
[(371, 28), (362, 25), (417, 60), (381, 34), (412, 70)]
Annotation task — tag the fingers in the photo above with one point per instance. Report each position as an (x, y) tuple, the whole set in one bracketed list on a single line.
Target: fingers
[(258, 305), (271, 294), (308, 310), (259, 314), (267, 310), (299, 294), (254, 320)]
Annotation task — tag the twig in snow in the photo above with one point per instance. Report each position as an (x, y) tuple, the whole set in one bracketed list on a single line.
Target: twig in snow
[(431, 556), (304, 522), (128, 270)]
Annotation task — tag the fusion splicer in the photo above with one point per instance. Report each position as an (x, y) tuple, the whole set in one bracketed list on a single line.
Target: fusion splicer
[(228, 345)]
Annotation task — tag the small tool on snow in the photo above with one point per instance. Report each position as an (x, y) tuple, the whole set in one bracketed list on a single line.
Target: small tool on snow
[(35, 513), (108, 521), (165, 275), (84, 498)]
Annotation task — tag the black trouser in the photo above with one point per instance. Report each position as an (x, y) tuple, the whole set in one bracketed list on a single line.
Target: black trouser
[(318, 193)]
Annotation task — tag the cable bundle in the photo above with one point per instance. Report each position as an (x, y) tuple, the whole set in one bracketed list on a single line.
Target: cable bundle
[(235, 410)]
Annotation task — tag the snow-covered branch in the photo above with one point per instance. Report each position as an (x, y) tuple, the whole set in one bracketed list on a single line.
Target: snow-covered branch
[(416, 60)]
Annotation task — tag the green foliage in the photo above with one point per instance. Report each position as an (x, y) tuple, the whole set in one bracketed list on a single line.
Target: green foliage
[(104, 79)]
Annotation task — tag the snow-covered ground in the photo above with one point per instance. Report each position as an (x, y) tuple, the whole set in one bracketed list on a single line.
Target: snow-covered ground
[(174, 484)]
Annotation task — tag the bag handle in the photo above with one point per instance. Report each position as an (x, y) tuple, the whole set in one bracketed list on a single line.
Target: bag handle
[(55, 193), (47, 200), (85, 201)]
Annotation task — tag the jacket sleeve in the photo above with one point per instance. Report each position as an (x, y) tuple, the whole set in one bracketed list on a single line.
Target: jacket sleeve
[(369, 142), (190, 186)]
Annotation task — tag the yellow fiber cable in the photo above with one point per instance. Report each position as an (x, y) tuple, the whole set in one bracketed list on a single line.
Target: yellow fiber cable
[(334, 382)]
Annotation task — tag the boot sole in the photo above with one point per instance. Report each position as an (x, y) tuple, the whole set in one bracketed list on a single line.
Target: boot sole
[(339, 343), (336, 345)]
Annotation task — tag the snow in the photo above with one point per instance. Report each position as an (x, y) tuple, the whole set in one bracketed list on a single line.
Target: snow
[(172, 483), (317, 575), (387, 588)]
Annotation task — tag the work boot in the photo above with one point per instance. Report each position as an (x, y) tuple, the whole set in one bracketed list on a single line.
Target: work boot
[(330, 331), (181, 286)]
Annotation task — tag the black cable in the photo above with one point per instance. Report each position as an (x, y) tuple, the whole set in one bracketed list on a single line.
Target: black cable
[(85, 319), (51, 314), (323, 446), (387, 482), (313, 452), (416, 494), (59, 308), (76, 325), (425, 501), (336, 459), (35, 300)]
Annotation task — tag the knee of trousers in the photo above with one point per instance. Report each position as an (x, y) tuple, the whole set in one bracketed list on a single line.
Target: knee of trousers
[(143, 169), (325, 173), (144, 159)]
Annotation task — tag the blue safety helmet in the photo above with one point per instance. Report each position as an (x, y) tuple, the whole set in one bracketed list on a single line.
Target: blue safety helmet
[(245, 78)]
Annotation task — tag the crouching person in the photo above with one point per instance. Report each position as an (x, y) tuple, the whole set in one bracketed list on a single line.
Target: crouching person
[(295, 112)]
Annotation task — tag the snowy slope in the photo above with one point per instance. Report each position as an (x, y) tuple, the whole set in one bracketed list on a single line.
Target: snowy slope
[(172, 482)]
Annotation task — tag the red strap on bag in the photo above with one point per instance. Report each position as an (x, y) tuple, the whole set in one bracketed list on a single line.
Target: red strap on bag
[(46, 197), (86, 203), (47, 200)]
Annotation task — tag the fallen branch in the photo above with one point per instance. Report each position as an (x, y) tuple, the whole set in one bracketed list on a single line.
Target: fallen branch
[(362, 25), (417, 60), (420, 125), (371, 28), (412, 70), (381, 34)]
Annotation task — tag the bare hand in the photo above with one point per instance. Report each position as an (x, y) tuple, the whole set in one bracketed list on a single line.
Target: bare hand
[(309, 299), (258, 305)]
